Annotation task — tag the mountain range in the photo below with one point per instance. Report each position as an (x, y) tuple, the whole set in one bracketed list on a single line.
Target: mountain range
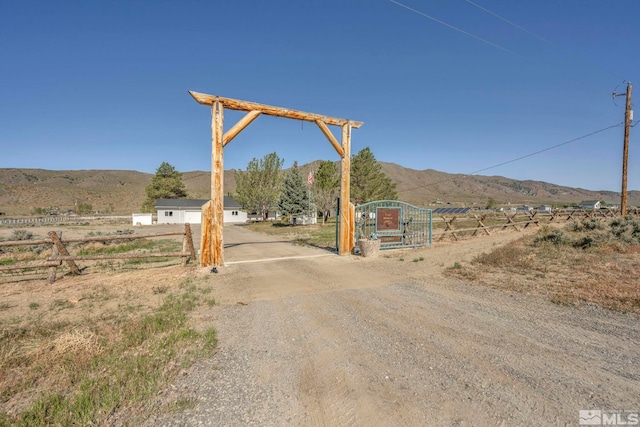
[(122, 192)]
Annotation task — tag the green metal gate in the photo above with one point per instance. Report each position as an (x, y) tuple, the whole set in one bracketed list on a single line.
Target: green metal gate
[(396, 224)]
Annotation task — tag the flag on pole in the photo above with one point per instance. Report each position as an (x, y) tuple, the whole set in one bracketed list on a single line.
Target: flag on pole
[(310, 178)]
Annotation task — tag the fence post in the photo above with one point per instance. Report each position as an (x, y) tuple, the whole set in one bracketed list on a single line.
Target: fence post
[(54, 269), (481, 225), (63, 251), (448, 223), (189, 237)]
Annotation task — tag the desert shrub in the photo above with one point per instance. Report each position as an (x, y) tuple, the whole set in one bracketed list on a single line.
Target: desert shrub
[(585, 242), (625, 231), (504, 256), (21, 235), (592, 224), (585, 225), (555, 237)]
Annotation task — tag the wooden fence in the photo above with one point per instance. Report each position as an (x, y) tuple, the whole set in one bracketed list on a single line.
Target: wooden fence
[(58, 218), (60, 253), (484, 223)]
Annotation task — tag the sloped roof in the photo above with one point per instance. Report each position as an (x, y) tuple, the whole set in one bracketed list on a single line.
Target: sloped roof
[(588, 202), (229, 203)]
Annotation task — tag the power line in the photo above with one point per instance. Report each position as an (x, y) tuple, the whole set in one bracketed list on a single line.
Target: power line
[(513, 24), (497, 46), (518, 158), (544, 40)]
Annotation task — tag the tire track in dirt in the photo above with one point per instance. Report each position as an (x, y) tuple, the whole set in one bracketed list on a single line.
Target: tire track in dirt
[(347, 341)]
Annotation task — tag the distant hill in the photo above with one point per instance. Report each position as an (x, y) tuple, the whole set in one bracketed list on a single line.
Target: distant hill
[(123, 192), (428, 186)]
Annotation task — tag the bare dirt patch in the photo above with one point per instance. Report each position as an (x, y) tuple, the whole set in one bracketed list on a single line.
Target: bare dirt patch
[(587, 262), (391, 341), (329, 340)]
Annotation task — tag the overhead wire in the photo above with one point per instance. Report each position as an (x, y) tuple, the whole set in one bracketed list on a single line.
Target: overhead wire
[(513, 24), (539, 37), (490, 43), (517, 158), (497, 46)]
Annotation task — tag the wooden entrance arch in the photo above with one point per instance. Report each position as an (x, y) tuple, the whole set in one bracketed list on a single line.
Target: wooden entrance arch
[(211, 246)]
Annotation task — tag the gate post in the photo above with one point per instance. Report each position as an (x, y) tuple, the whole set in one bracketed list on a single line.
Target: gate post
[(211, 245), (346, 219)]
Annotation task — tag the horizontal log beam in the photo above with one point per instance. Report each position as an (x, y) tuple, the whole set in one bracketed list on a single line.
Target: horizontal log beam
[(91, 239), (26, 242), (27, 265), (122, 237), (457, 230), (118, 256), (238, 105)]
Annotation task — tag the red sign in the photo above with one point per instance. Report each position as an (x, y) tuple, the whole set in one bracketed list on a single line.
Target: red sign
[(388, 219)]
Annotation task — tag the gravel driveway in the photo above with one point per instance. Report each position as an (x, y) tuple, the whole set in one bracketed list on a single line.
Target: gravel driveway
[(341, 341)]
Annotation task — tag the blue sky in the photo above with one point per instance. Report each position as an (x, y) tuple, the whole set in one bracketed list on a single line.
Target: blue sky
[(103, 85)]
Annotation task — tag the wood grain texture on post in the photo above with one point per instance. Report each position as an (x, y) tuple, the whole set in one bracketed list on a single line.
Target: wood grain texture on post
[(346, 222)]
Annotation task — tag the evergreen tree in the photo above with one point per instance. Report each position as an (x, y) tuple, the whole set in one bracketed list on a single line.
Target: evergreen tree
[(368, 181), (326, 187), (165, 184), (294, 198), (258, 188)]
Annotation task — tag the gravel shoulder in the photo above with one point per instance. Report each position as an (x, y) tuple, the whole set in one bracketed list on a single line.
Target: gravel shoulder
[(328, 340)]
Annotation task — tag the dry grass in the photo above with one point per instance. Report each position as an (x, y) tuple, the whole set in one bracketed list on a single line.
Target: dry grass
[(318, 235), (91, 355), (584, 262)]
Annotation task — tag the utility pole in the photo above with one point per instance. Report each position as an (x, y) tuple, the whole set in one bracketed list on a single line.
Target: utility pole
[(628, 117)]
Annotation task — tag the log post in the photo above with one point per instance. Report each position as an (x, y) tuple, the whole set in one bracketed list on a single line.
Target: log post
[(213, 255), (347, 225), (352, 220), (481, 225), (189, 240), (185, 259), (63, 251), (510, 222), (53, 270), (448, 227)]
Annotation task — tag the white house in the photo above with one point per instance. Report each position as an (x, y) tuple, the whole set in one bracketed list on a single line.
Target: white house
[(141, 219), (590, 204), (180, 211), (612, 204)]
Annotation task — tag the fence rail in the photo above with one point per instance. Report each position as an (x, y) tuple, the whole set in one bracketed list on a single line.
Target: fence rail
[(55, 219), (60, 253), (472, 224)]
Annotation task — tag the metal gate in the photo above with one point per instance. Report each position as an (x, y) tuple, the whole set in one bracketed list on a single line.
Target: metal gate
[(396, 224)]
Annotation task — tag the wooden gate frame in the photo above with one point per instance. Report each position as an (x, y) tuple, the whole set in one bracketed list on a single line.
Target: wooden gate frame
[(211, 246)]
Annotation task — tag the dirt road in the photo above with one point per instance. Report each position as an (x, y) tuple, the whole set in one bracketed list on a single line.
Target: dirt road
[(339, 341)]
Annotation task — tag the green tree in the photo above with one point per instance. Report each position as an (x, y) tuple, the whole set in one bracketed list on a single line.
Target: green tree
[(84, 208), (258, 188), (294, 197), (492, 203), (326, 187), (368, 181), (165, 184)]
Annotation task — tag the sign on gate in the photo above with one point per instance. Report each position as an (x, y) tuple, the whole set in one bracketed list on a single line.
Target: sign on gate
[(396, 224), (388, 219)]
